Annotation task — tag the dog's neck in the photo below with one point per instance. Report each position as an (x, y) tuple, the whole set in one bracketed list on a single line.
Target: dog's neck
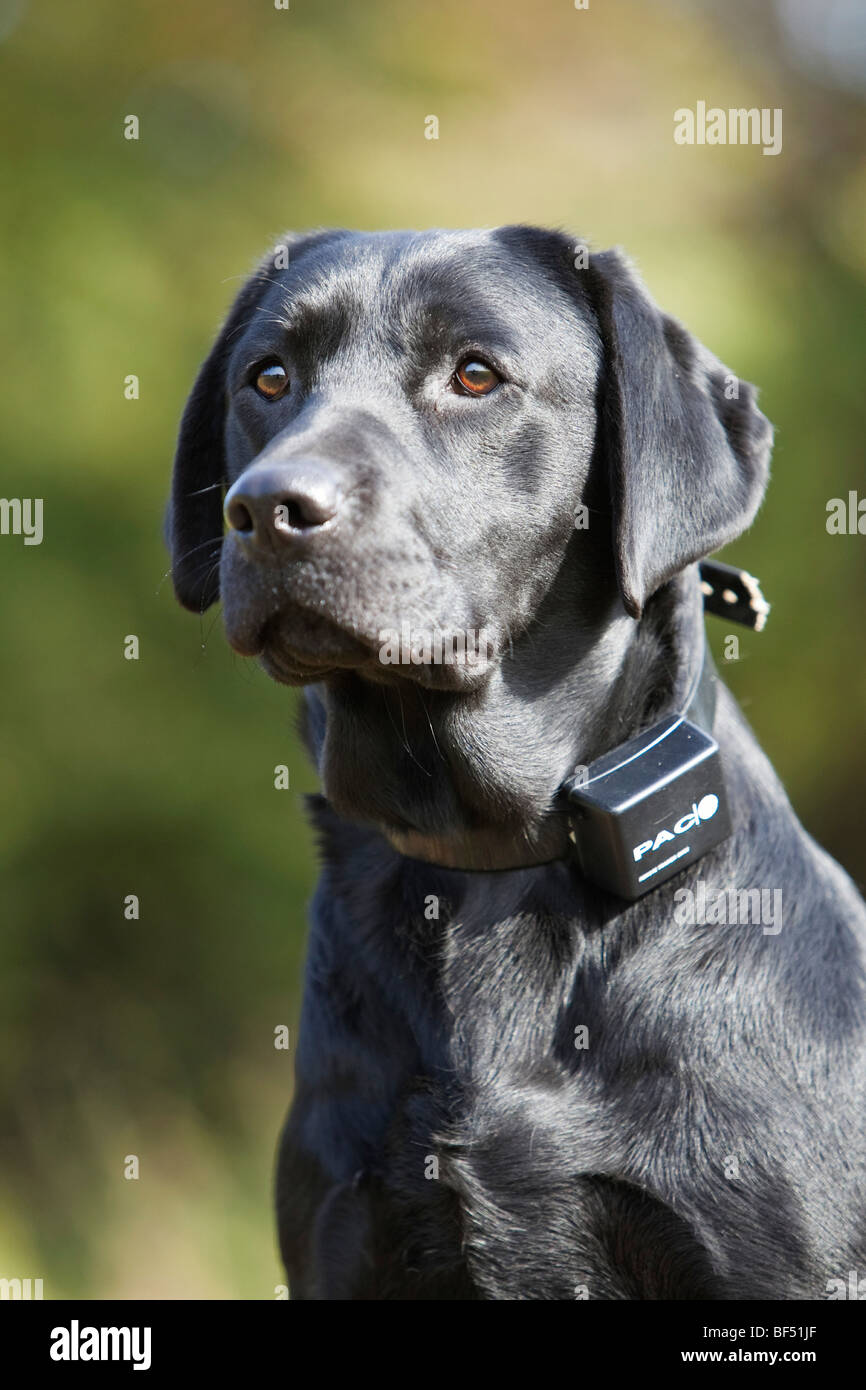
[(472, 780)]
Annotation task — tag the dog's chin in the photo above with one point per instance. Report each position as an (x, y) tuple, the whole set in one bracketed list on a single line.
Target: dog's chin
[(291, 666), (300, 647), (297, 646)]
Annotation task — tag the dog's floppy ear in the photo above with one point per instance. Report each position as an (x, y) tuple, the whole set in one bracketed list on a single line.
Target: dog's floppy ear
[(194, 519), (687, 448)]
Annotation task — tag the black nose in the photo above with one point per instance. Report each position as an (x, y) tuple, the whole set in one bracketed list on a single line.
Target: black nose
[(282, 502)]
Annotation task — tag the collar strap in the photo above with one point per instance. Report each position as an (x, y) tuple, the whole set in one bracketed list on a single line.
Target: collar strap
[(734, 594)]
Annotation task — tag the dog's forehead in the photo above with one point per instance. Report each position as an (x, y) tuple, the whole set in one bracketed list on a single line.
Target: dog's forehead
[(370, 265), (469, 280)]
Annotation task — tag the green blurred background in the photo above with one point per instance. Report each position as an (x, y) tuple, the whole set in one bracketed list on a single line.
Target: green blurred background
[(156, 1037)]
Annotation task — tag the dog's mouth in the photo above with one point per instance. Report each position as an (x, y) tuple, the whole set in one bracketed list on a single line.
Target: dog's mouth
[(298, 645)]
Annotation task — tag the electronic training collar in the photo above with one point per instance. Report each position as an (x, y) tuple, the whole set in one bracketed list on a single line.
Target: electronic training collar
[(647, 809)]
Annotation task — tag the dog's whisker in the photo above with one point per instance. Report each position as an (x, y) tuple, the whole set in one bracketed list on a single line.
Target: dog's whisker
[(199, 492), (430, 722), (175, 566)]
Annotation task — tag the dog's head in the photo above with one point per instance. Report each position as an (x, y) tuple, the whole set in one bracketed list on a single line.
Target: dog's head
[(407, 434)]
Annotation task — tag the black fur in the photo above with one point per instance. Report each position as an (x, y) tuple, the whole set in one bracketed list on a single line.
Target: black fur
[(447, 1139)]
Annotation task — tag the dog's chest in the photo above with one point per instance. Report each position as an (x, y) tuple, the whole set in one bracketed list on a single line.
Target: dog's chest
[(482, 1170), (489, 1156)]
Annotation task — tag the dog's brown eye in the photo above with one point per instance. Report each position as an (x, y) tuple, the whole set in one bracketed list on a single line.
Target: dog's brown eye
[(475, 377), (270, 379)]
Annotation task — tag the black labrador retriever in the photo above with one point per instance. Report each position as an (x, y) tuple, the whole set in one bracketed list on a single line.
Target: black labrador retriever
[(469, 476)]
